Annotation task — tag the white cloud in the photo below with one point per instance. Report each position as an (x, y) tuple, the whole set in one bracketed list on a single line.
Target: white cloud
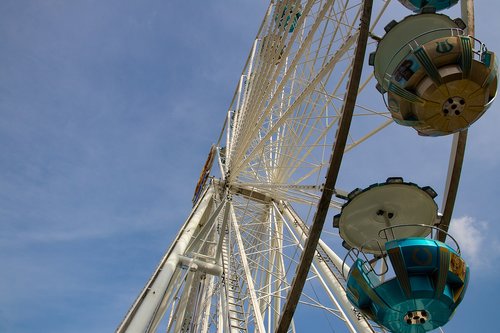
[(476, 243)]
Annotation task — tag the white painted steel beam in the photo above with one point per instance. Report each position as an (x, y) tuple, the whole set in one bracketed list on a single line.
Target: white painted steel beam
[(140, 317), (353, 323), (259, 323)]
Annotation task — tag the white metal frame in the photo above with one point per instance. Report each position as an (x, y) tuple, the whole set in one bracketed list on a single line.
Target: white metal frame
[(233, 262)]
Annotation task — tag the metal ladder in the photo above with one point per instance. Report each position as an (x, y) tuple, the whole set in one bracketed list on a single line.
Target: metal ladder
[(235, 310)]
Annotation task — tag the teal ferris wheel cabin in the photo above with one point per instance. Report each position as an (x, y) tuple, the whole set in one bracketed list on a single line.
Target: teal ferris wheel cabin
[(413, 283)]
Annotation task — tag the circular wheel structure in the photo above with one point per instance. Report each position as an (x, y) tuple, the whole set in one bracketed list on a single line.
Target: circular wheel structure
[(251, 256)]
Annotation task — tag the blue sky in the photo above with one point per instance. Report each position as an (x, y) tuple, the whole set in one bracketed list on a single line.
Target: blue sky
[(107, 111)]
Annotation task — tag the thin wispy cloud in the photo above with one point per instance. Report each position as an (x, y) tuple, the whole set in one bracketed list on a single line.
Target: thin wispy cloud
[(478, 246)]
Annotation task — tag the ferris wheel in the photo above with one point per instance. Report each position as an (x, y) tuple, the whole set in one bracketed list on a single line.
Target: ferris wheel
[(273, 242)]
